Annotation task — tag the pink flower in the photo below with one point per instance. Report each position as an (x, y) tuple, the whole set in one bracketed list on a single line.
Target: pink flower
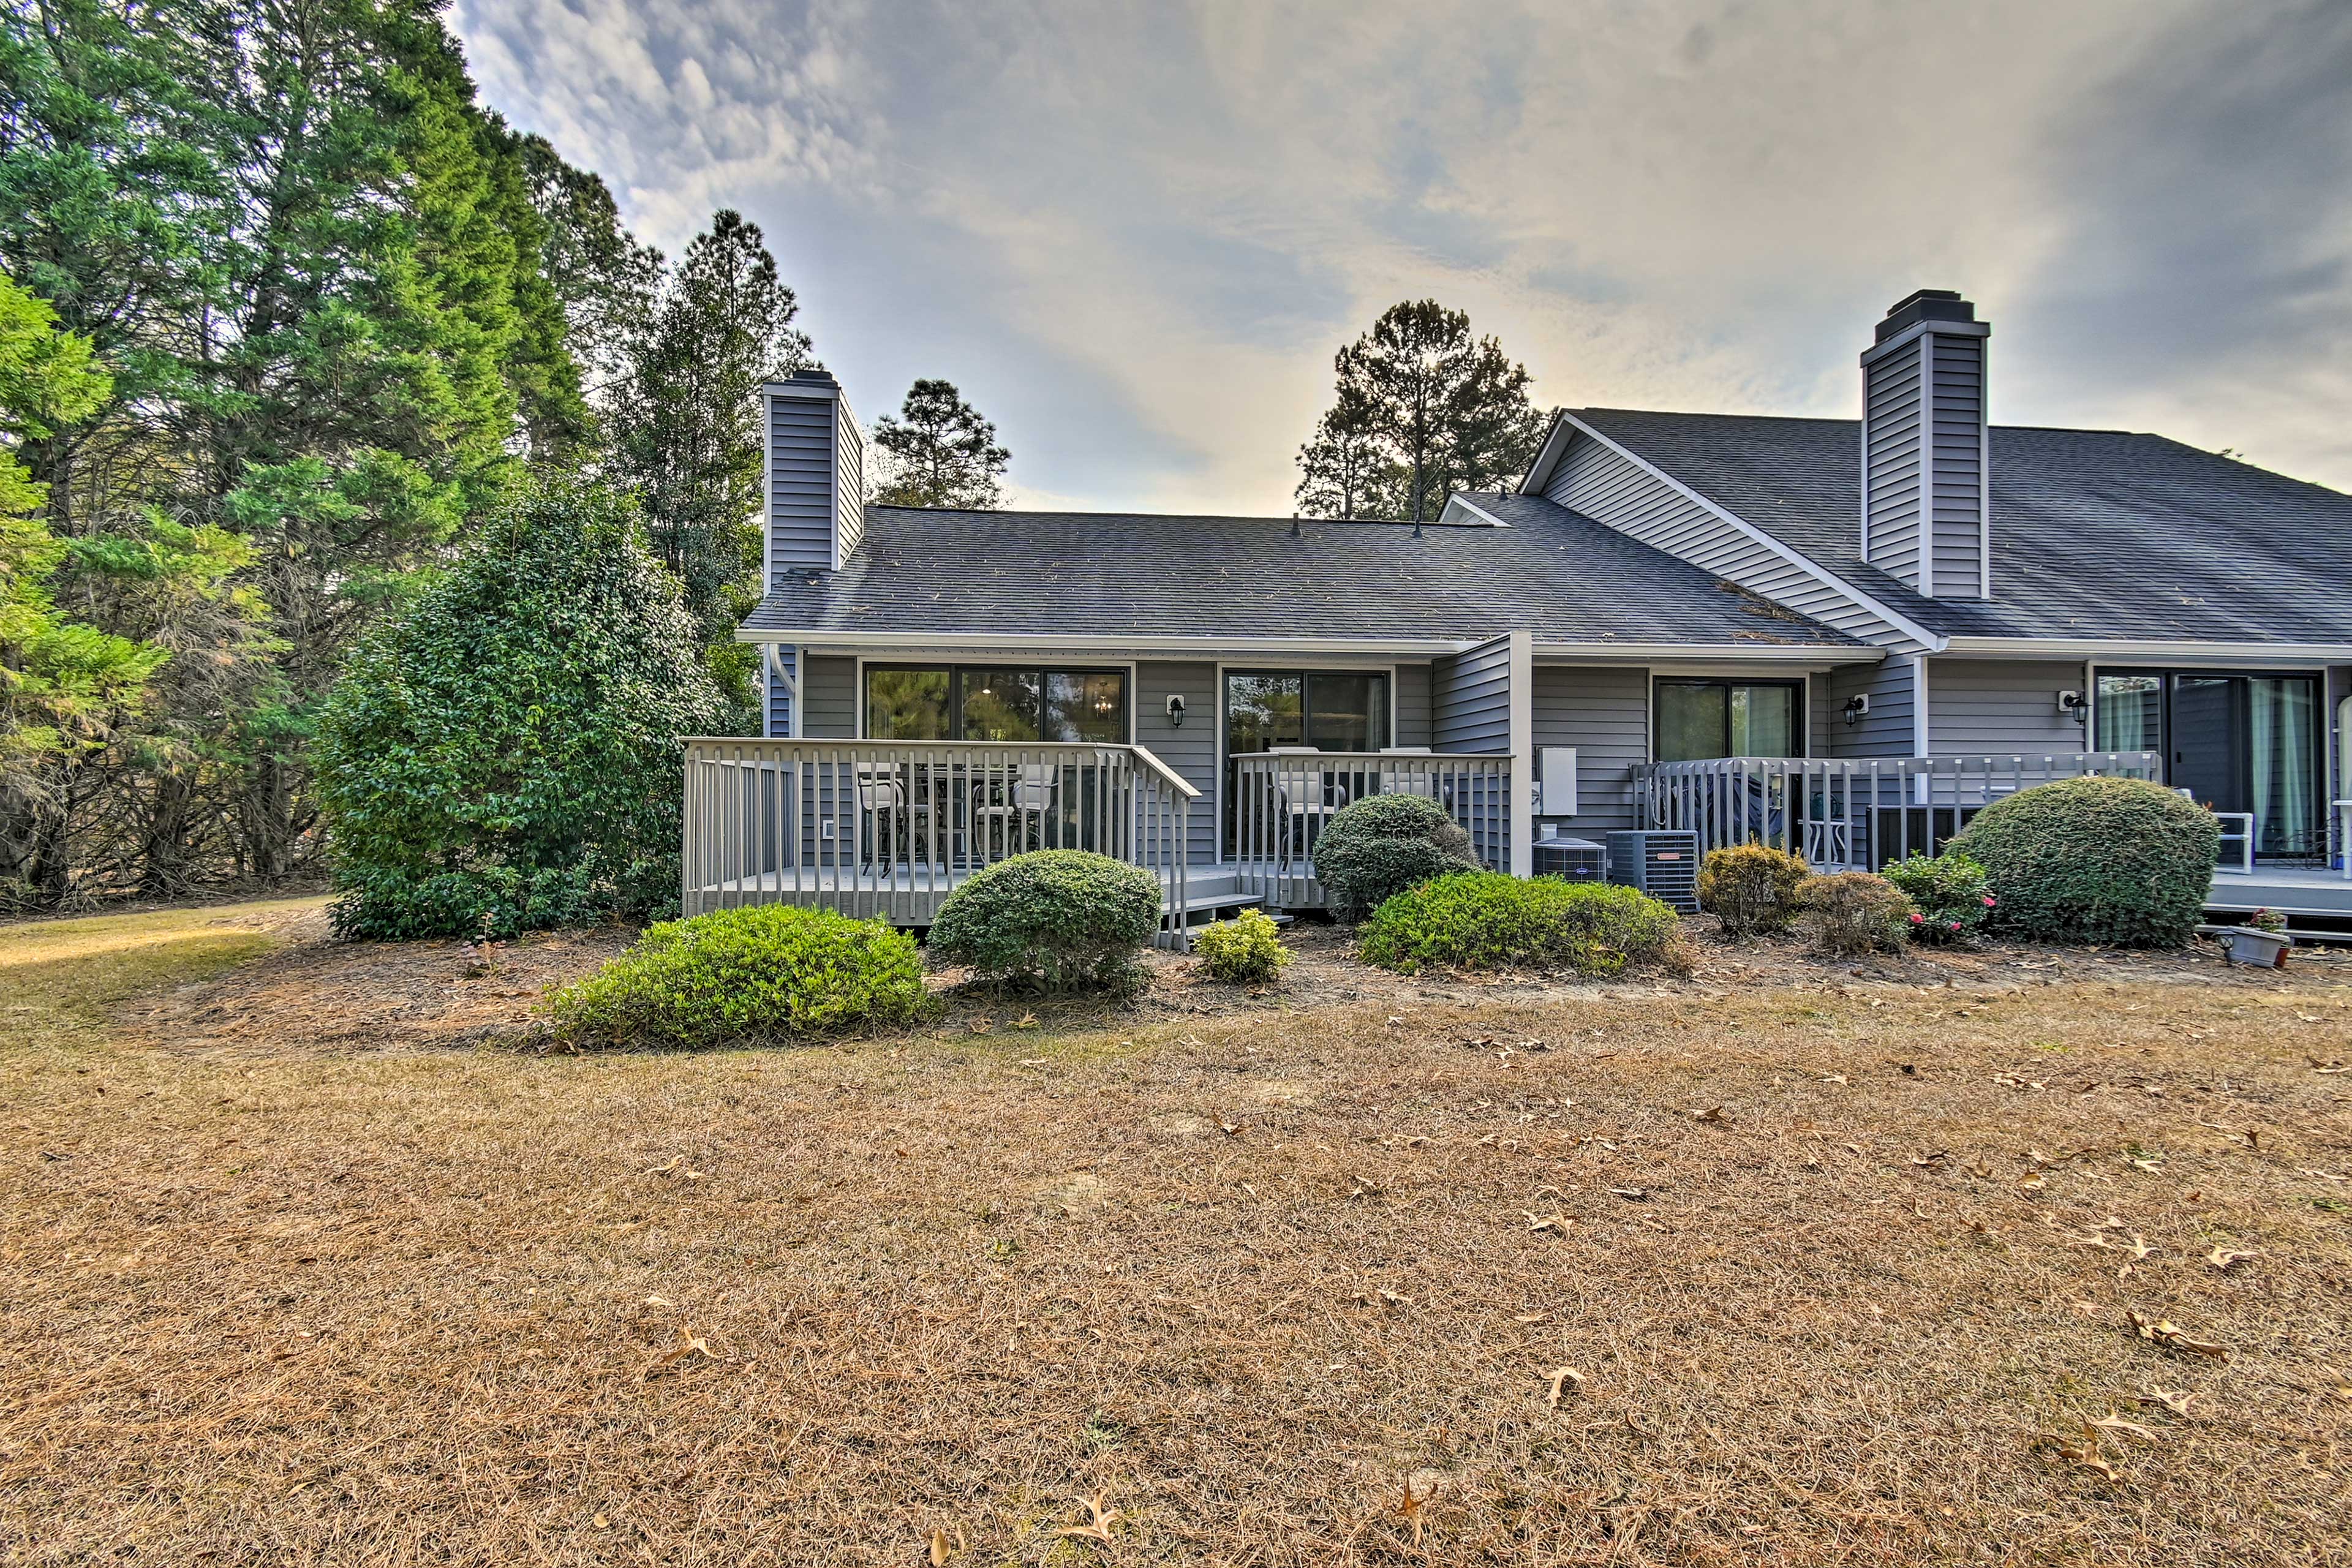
[(1988, 901), (1955, 925), (1917, 919)]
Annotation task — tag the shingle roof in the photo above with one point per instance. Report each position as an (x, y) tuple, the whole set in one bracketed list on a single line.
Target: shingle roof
[(2096, 534), (1562, 576)]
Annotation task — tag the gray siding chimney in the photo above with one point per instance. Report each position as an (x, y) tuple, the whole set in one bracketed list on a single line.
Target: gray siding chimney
[(816, 474), (1927, 486)]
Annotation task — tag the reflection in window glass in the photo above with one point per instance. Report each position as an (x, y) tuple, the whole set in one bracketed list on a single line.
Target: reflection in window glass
[(1000, 704), (1086, 707), (1265, 710), (1346, 712), (1763, 722), (1692, 722), (906, 704), (2129, 713)]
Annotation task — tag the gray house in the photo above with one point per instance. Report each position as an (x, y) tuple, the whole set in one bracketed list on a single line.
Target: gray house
[(1843, 636)]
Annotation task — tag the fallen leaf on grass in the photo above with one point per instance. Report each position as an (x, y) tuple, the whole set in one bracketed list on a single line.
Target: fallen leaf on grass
[(665, 1170), (1229, 1127), (2222, 1257), (1393, 1299), (2173, 1399), (1631, 1195), (2082, 1454), (2111, 1422), (1026, 1021), (2139, 1249), (1530, 1317), (2172, 1337), (1833, 1077), (1555, 1222), (1409, 1508), (1715, 1114), (1096, 1529), (1562, 1379), (2033, 1183), (688, 1344)]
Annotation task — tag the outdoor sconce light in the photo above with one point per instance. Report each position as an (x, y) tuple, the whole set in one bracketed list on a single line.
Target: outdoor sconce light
[(1175, 709), (2072, 706), (1857, 708)]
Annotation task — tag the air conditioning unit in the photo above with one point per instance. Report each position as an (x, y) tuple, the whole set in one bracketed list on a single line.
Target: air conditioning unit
[(1661, 864), (1571, 859)]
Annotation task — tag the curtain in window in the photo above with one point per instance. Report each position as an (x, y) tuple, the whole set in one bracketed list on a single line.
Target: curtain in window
[(2130, 713), (2283, 712)]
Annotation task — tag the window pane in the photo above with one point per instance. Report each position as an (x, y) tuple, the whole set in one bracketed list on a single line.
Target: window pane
[(906, 704), (2285, 740), (1348, 712), (1262, 711), (1693, 721), (2129, 713), (1086, 707), (1000, 704), (1763, 722)]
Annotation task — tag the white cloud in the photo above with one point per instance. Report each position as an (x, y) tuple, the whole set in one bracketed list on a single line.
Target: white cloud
[(1136, 235)]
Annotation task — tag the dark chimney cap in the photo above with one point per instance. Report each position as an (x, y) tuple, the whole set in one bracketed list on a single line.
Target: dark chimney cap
[(820, 375), (1926, 305)]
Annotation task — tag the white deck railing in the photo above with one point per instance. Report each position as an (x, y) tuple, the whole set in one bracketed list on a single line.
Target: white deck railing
[(889, 828), (1852, 813), (1282, 799)]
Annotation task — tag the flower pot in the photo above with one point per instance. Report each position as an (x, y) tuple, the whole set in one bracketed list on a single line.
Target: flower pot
[(2260, 949)]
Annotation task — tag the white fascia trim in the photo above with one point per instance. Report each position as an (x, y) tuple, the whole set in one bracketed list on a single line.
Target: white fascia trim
[(1190, 647), (1719, 653), (1462, 499), (1546, 456), (2106, 651), (1800, 561), (810, 389)]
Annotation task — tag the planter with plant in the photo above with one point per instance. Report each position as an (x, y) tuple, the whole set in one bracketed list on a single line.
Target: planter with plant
[(2262, 943)]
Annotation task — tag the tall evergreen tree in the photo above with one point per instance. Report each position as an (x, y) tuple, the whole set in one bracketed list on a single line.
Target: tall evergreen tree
[(1346, 470), (1450, 411), (938, 451), (686, 433), (603, 278)]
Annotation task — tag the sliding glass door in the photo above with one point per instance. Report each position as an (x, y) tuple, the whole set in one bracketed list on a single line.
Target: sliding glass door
[(1322, 710), (2246, 743)]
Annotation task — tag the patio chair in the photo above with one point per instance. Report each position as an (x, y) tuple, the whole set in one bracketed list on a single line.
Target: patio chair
[(1006, 805), (883, 814)]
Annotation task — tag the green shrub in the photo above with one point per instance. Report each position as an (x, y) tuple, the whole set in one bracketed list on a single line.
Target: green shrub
[(1483, 920), (2095, 860), (506, 756), (1376, 847), (1059, 918), (1949, 895), (1749, 887), (1245, 951), (757, 972), (1854, 912)]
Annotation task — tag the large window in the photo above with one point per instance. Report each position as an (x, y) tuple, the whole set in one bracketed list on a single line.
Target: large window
[(2246, 743), (986, 702), (1698, 720), (1330, 711)]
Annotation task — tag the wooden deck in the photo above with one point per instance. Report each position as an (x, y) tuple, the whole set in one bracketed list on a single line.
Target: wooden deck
[(2310, 892)]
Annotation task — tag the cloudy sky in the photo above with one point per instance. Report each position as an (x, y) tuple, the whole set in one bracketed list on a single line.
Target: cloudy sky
[(1134, 234)]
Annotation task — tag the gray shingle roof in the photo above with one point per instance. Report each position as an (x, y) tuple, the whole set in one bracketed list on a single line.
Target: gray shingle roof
[(1121, 575), (2096, 534)]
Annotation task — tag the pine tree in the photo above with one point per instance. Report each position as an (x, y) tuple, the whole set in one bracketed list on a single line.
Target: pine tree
[(1346, 470), (1450, 411), (938, 451), (686, 434)]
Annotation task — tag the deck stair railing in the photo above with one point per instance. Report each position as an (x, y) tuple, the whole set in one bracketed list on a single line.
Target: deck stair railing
[(888, 828), (1282, 799), (1852, 814)]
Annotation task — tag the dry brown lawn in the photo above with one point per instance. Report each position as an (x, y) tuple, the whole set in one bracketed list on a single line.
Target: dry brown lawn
[(1780, 1264)]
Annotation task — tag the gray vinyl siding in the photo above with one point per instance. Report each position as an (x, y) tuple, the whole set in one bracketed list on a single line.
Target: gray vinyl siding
[(2001, 707), (800, 514), (1604, 713), (1190, 750), (780, 699), (1412, 683), (1891, 429), (1470, 698), (1611, 489), (829, 690), (1887, 731), (849, 494), (1958, 475), (1820, 713)]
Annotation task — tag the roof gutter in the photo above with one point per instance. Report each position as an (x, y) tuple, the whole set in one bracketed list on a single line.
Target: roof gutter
[(1227, 648), (2104, 649)]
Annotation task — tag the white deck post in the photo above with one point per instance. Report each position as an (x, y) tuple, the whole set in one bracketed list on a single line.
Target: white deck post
[(1521, 786)]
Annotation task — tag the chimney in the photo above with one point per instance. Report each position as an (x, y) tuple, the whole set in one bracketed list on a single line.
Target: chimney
[(1926, 487), (816, 475)]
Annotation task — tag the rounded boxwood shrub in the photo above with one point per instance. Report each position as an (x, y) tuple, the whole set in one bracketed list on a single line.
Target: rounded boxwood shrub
[(1855, 913), (1949, 895), (1060, 918), (756, 973), (1483, 920), (2095, 860), (1750, 887), (1376, 847), (1245, 951)]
